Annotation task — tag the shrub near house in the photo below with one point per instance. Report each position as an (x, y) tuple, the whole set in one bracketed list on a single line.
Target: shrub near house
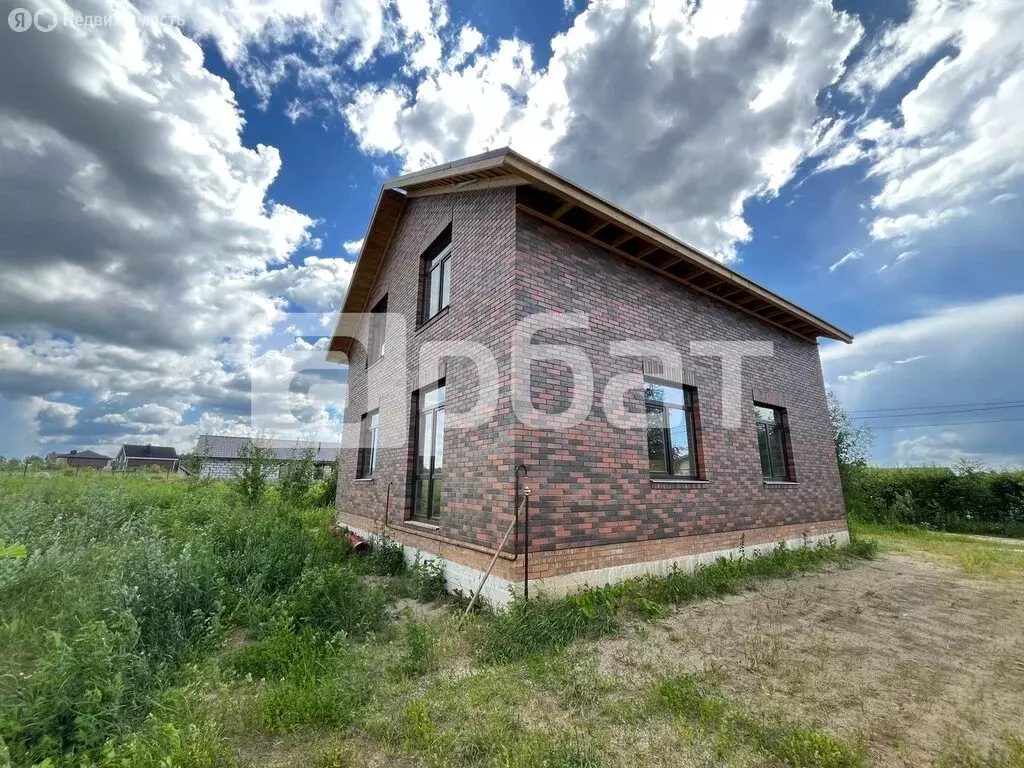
[(965, 500)]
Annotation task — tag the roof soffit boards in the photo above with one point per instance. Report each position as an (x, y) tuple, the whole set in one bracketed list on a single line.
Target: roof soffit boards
[(560, 203)]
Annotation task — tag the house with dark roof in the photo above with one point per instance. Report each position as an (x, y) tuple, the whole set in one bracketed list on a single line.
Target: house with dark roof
[(662, 409), (220, 457), (140, 456), (75, 458)]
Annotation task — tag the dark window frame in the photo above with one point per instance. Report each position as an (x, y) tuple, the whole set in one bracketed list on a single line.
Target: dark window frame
[(435, 414), (690, 418), (369, 440), (378, 330), (436, 263), (776, 456)]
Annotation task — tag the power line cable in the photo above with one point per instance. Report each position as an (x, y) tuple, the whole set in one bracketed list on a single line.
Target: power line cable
[(929, 407), (937, 413), (945, 424)]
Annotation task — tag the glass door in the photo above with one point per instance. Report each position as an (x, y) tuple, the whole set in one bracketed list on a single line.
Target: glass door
[(429, 453)]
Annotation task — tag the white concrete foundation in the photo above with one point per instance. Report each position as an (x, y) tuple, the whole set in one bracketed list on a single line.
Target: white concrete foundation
[(498, 592)]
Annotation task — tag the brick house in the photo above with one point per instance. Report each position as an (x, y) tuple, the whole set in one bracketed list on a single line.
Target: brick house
[(469, 253), (159, 457), (221, 456), (75, 459)]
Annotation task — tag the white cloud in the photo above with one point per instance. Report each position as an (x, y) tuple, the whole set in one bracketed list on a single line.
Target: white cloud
[(1005, 313), (959, 141), (864, 374), (945, 449), (353, 247), (681, 115), (142, 257), (967, 353), (909, 224), (850, 256)]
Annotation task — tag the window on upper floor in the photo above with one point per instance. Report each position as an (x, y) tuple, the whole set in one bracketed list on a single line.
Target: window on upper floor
[(378, 320), (369, 432), (437, 276), (773, 442), (671, 430)]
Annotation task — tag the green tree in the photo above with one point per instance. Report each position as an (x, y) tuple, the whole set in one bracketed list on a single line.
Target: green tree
[(853, 442), (258, 464), (297, 476)]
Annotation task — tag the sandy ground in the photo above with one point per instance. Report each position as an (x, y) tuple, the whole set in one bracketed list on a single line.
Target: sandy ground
[(909, 654)]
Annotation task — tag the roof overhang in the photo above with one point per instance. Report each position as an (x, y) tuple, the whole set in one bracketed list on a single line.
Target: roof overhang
[(558, 202)]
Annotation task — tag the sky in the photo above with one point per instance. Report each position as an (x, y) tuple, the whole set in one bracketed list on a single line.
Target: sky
[(184, 186)]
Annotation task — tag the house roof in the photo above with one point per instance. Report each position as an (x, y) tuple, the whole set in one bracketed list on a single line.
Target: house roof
[(81, 455), (560, 203), (148, 452), (228, 447)]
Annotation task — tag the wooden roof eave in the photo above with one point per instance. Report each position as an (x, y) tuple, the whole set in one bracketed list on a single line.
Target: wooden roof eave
[(387, 213), (504, 168), (575, 196)]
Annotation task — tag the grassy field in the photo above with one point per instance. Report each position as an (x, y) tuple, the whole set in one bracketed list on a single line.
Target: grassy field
[(158, 623), (983, 557)]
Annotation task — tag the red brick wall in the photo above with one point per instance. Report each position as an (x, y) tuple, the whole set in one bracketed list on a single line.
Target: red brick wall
[(591, 486), (478, 461), (78, 461)]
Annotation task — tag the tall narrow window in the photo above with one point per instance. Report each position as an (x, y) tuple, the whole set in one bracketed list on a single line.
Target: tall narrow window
[(429, 452), (772, 442), (378, 318), (369, 431), (437, 281), (671, 436)]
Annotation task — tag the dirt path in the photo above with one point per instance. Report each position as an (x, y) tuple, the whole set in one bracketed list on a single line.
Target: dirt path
[(910, 654)]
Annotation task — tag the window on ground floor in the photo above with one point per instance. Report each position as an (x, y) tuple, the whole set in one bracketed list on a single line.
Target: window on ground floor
[(671, 430), (369, 431), (773, 442), (428, 478)]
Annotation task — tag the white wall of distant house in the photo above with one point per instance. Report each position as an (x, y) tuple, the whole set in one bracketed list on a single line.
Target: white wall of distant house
[(229, 469)]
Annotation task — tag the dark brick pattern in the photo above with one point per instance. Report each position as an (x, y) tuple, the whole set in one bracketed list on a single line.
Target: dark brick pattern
[(591, 485), (478, 462)]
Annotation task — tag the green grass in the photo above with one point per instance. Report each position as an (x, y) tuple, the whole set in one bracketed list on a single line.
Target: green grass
[(980, 558), (543, 624), (148, 622), (794, 745), (126, 580)]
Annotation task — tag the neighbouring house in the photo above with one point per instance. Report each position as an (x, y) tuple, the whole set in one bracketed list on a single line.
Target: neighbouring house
[(465, 256), (221, 457), (139, 456), (75, 458)]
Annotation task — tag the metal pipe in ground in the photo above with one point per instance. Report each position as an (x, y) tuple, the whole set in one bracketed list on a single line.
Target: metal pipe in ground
[(487, 574)]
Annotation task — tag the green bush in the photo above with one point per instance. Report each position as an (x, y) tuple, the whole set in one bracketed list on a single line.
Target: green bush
[(965, 501), (418, 650), (427, 578), (178, 732), (83, 691), (306, 679), (118, 581), (387, 556), (332, 599)]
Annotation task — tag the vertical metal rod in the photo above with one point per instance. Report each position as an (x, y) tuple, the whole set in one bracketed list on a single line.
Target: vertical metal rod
[(526, 554), (387, 504), (526, 558)]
